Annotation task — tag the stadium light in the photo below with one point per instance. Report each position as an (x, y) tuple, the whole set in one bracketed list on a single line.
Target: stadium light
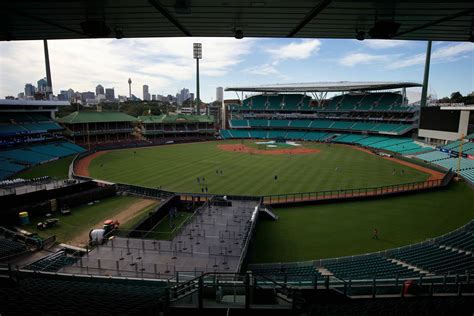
[(197, 48), (197, 52)]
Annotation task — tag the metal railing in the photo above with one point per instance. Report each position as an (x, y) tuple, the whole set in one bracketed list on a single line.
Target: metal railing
[(352, 193)]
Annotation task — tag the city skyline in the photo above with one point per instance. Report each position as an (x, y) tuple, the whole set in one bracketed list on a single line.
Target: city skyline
[(102, 94), (168, 64)]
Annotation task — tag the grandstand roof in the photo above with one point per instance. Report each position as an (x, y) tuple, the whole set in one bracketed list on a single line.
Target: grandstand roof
[(96, 117), (325, 87), (439, 20), (179, 118)]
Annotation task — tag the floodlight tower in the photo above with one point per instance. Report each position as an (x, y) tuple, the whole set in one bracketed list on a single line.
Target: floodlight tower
[(197, 50), (49, 87), (129, 88)]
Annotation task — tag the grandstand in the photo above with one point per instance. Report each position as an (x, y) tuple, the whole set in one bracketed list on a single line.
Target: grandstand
[(29, 135), (361, 115), (432, 277), (28, 121), (447, 157), (157, 128), (97, 128)]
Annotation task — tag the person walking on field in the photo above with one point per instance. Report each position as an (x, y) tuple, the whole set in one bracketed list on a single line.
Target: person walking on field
[(375, 234)]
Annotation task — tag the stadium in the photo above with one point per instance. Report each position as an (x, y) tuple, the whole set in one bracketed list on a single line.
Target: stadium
[(295, 203)]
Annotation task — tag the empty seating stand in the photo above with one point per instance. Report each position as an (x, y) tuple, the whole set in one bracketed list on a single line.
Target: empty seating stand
[(463, 240), (322, 124), (10, 247), (402, 145), (40, 294), (16, 159), (436, 259), (290, 272), (445, 160), (368, 267), (52, 263)]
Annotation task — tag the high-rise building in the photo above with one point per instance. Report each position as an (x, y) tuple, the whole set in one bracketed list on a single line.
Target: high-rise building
[(110, 94), (99, 90), (89, 95), (153, 97), (29, 90), (63, 95), (182, 95), (21, 95), (146, 94), (70, 94), (43, 85), (219, 94), (191, 97)]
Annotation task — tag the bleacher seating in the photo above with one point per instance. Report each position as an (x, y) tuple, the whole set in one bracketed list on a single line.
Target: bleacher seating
[(436, 259), (278, 123), (52, 263), (258, 134), (323, 124), (368, 267), (444, 160), (290, 272), (26, 123), (461, 240), (58, 295), (402, 145), (367, 102), (16, 159), (467, 147), (10, 247), (299, 123), (378, 101), (239, 123)]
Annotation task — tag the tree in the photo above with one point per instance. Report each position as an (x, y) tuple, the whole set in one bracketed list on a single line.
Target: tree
[(456, 97)]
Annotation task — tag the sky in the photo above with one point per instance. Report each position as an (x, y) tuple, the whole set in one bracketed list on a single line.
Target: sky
[(166, 64)]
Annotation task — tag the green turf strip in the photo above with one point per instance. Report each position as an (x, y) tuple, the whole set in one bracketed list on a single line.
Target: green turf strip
[(82, 218), (164, 231), (342, 229), (176, 168)]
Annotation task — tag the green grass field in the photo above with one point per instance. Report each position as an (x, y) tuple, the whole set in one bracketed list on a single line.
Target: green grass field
[(130, 224), (57, 169), (176, 168), (342, 229), (163, 231), (83, 218)]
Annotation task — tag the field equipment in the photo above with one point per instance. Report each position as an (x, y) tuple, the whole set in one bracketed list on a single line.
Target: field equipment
[(65, 210), (48, 223)]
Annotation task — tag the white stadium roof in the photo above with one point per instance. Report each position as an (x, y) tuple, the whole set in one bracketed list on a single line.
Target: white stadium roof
[(326, 86)]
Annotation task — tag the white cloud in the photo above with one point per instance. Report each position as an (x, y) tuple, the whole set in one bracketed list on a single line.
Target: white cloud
[(262, 70), (296, 50), (384, 44), (164, 63), (441, 54), (353, 59)]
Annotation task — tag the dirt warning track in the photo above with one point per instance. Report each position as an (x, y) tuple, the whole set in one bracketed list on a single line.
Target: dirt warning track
[(82, 166)]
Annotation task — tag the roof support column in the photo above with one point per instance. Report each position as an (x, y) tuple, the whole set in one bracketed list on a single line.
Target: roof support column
[(424, 91)]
